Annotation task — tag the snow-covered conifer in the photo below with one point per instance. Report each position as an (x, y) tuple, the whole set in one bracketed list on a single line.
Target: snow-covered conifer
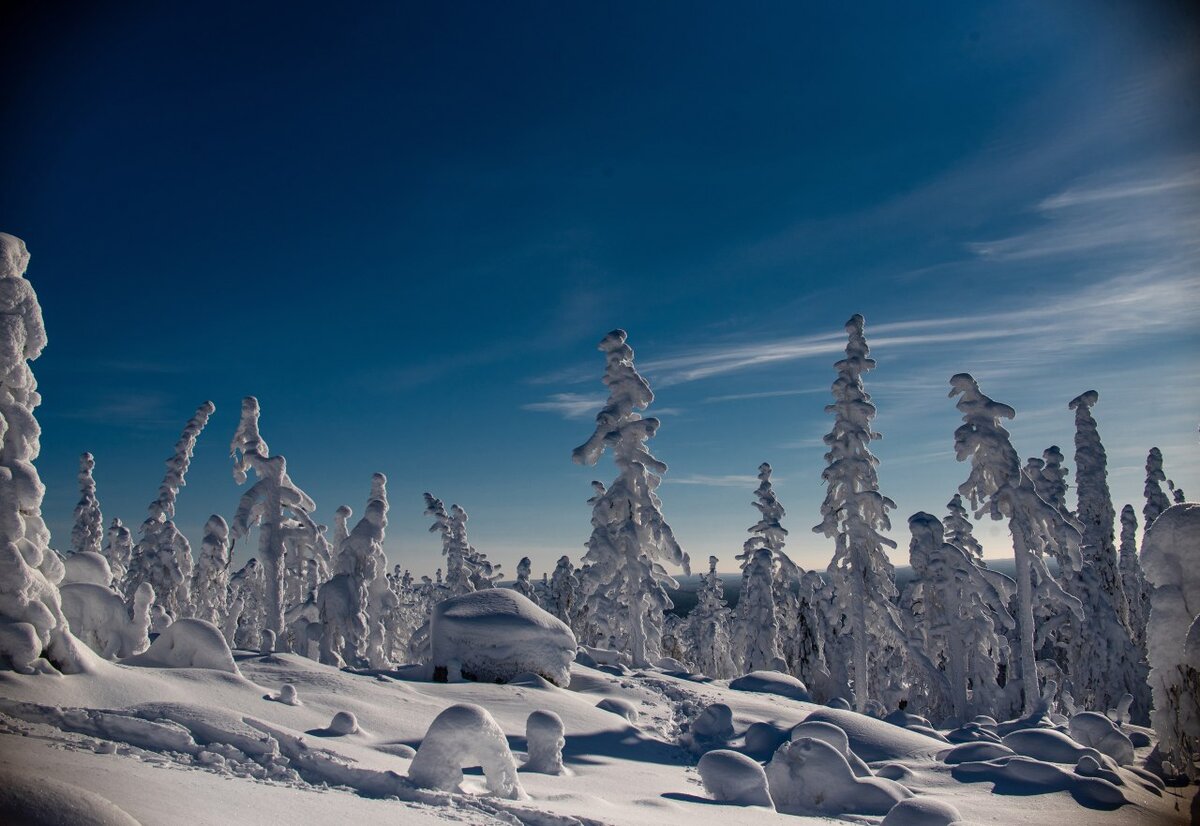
[(1133, 581), (210, 584), (1156, 498), (362, 559), (564, 592), (458, 574), (271, 500), (625, 584), (522, 585), (998, 487), (708, 623), (756, 633), (247, 616), (33, 630), (88, 530), (163, 557), (1095, 509), (958, 529), (854, 514), (1177, 494), (118, 550)]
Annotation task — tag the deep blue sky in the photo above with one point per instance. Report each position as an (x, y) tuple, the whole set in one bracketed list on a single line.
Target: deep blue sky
[(405, 229)]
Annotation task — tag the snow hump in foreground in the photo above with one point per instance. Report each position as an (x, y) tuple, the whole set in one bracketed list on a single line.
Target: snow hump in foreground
[(188, 643), (465, 735), (495, 634)]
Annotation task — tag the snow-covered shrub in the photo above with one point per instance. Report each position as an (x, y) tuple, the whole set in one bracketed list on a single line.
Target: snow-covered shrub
[(495, 634), (101, 620), (465, 735), (544, 743), (188, 643), (287, 695), (807, 776), (730, 777), (1169, 556), (998, 487), (623, 581), (36, 635), (88, 530)]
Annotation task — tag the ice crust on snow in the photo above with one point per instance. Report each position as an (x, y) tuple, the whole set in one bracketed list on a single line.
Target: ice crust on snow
[(465, 735), (188, 643), (495, 634), (730, 777)]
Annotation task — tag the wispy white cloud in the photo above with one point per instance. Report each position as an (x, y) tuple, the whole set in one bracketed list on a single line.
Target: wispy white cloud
[(726, 481), (569, 405), (766, 394)]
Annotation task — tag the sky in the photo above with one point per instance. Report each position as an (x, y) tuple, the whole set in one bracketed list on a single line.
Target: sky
[(404, 228)]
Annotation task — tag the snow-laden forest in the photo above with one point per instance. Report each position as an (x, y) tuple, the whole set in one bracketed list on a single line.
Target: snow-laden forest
[(145, 679)]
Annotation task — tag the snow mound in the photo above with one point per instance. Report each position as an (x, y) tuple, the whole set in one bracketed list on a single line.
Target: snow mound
[(44, 801), (287, 695), (1090, 728), (874, 740), (809, 775), (921, 811), (730, 777), (99, 619), (772, 682), (619, 706), (188, 643), (764, 738), (544, 741), (86, 566), (466, 735), (1047, 744), (714, 723), (835, 737), (1025, 775), (972, 733), (976, 752), (495, 634), (531, 680), (839, 703), (343, 723)]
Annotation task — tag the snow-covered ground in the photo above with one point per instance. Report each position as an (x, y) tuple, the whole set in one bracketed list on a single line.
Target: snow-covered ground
[(169, 745)]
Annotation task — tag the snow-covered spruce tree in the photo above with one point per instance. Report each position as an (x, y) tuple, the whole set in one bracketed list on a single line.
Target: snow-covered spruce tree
[(246, 619), (210, 583), (458, 572), (364, 562), (564, 592), (88, 530), (118, 550), (960, 606), (1177, 494), (271, 500), (624, 586), (483, 573), (710, 648), (958, 529), (756, 631), (33, 631), (522, 585), (163, 557), (1133, 580), (998, 487), (853, 514), (1156, 498)]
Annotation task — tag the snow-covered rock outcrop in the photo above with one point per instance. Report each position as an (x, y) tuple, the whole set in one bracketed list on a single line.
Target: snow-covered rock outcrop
[(495, 634)]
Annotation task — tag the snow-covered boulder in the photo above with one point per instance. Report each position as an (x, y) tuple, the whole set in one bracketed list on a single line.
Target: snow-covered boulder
[(466, 735), (730, 777), (809, 775), (86, 566), (1091, 728), (772, 682), (495, 634), (188, 643), (99, 618), (922, 811), (544, 743)]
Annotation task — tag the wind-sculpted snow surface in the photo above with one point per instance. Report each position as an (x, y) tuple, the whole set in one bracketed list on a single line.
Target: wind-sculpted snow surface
[(465, 735), (495, 634)]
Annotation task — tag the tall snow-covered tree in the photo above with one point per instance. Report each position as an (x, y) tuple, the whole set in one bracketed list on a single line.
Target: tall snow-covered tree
[(88, 531), (522, 585), (564, 592), (710, 647), (118, 550), (854, 514), (364, 562), (246, 618), (625, 584), (33, 631), (958, 528), (963, 604), (1133, 580), (756, 632), (269, 502), (998, 487), (210, 582), (1156, 498), (163, 557)]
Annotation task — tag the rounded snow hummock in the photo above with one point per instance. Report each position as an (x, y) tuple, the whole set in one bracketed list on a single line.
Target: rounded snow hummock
[(188, 643), (772, 682), (496, 634)]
